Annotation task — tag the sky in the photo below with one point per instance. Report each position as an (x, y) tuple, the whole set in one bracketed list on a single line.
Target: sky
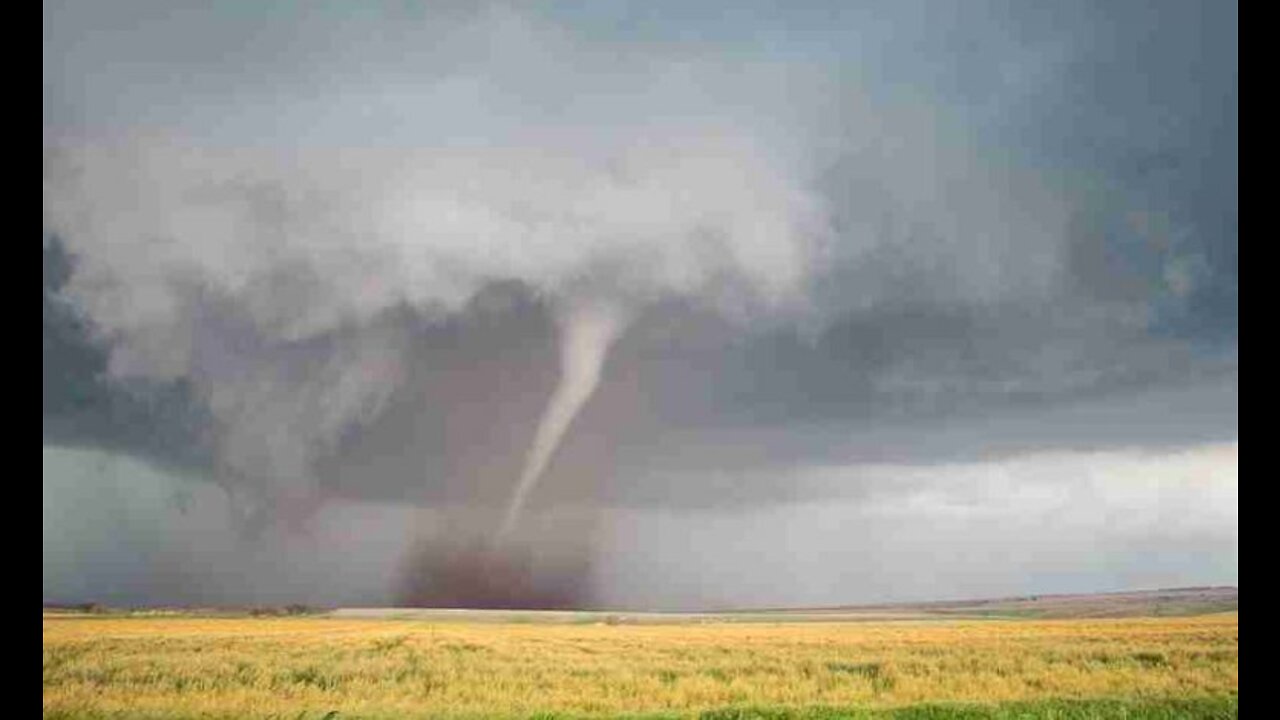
[(638, 304)]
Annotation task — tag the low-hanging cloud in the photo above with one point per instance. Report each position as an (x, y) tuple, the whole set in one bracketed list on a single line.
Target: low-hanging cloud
[(265, 275)]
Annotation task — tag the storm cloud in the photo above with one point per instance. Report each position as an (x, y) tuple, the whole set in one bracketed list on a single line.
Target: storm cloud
[(313, 262)]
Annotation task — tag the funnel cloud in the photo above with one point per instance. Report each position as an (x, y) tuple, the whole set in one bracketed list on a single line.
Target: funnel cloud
[(587, 330)]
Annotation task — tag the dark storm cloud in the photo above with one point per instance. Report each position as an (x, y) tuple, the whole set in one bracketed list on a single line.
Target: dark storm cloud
[(930, 279), (83, 405), (1074, 242)]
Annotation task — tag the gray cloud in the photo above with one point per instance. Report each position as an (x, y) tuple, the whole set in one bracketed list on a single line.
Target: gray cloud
[(1040, 523), (319, 258)]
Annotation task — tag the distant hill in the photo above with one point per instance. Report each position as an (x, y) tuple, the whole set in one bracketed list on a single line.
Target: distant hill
[(1131, 603)]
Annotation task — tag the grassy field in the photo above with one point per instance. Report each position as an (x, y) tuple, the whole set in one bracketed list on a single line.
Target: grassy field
[(335, 667)]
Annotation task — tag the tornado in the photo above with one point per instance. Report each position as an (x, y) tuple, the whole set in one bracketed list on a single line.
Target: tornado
[(587, 330)]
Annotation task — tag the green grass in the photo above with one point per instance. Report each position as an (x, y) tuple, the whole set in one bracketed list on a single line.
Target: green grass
[(1206, 708), (1209, 707)]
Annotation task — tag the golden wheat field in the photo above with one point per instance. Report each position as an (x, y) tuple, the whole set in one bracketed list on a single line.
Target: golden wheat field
[(330, 667)]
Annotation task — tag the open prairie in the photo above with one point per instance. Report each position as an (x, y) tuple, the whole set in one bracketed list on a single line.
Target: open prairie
[(604, 665)]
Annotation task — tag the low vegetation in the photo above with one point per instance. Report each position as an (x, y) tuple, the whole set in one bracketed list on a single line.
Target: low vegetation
[(322, 667)]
